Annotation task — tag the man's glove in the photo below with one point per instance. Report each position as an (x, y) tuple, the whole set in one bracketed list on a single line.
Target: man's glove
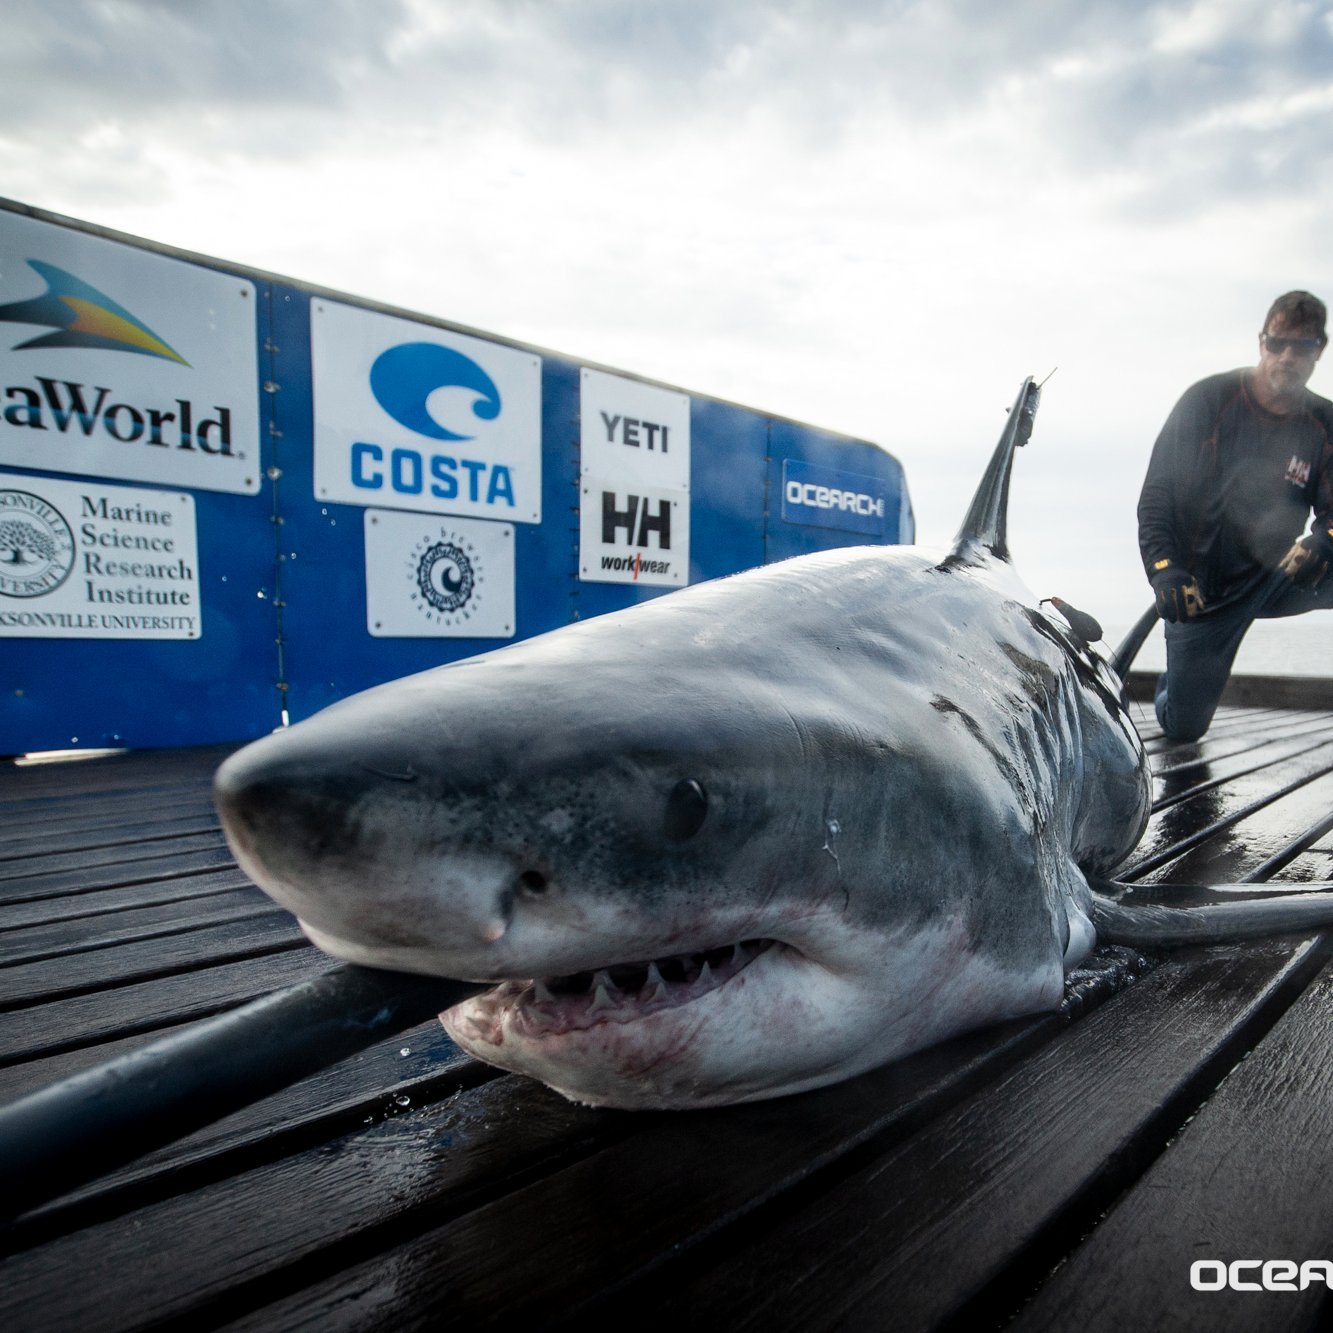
[(1307, 561), (1178, 596)]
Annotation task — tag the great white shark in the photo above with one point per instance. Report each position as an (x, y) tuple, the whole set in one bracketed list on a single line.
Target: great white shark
[(753, 837)]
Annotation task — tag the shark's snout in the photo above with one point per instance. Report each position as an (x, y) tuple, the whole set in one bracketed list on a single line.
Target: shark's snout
[(282, 807), (353, 847)]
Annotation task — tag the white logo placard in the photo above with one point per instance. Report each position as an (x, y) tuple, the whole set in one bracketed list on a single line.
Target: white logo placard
[(118, 362), (433, 578), (633, 536), (88, 561), (634, 511), (409, 416), (633, 432)]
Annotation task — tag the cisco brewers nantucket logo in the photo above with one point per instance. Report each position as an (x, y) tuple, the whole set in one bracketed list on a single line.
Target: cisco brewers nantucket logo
[(411, 417), (433, 578), (118, 362), (36, 545), (446, 578)]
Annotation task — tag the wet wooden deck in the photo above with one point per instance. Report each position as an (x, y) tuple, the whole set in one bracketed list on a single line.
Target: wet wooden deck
[(1058, 1172)]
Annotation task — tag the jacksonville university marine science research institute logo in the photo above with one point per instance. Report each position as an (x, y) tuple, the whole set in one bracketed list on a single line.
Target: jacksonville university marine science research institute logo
[(448, 579), (36, 546)]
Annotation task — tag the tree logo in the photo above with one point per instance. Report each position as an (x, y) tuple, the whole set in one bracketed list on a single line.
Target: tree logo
[(36, 546)]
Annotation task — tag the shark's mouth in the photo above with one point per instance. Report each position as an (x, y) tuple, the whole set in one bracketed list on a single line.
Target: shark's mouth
[(620, 993)]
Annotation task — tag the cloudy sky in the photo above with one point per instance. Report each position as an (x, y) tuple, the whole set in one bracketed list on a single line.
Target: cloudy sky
[(876, 216)]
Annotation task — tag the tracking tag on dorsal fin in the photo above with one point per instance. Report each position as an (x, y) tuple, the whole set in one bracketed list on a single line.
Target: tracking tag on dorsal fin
[(986, 521), (1083, 626)]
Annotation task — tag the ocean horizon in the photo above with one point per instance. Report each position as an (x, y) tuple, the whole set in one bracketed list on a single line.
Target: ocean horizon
[(1294, 646)]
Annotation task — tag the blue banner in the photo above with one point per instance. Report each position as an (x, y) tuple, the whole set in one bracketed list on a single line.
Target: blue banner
[(824, 498)]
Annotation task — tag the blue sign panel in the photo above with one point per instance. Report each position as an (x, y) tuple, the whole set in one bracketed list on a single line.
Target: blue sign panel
[(263, 513), (821, 497)]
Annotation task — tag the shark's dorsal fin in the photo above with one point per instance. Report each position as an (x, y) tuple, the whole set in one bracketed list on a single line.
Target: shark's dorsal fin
[(986, 521)]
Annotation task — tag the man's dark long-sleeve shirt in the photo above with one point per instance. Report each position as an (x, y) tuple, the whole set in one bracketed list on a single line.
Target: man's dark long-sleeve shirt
[(1230, 485)]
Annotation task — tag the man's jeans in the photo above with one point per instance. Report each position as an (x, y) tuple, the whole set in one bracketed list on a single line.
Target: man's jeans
[(1199, 652)]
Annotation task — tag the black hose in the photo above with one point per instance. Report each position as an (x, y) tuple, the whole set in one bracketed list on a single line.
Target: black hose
[(88, 1124), (1123, 657)]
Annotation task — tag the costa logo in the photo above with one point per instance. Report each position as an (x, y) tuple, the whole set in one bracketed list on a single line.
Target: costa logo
[(426, 419), (411, 379)]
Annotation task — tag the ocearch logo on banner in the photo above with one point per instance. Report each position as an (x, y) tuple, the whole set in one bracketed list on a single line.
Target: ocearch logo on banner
[(409, 416), (822, 497), (118, 362)]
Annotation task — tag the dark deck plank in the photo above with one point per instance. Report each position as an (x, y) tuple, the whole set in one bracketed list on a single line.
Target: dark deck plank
[(458, 1158), (243, 1230), (959, 1200), (64, 937), (18, 872), (382, 1083), (41, 835), (950, 1226), (148, 864), (85, 1020), (1246, 1179), (91, 904), (108, 968)]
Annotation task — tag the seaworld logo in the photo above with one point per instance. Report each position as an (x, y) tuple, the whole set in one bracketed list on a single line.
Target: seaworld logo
[(406, 378), (81, 316)]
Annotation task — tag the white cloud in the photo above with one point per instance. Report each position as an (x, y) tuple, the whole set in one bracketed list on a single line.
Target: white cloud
[(874, 216)]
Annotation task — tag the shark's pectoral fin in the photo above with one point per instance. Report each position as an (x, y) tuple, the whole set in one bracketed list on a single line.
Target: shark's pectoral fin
[(1168, 915), (1080, 934)]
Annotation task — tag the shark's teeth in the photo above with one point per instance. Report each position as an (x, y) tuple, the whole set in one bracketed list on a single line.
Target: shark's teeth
[(623, 992), (656, 987)]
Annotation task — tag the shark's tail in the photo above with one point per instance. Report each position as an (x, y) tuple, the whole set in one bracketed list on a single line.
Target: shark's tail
[(986, 521), (1205, 914)]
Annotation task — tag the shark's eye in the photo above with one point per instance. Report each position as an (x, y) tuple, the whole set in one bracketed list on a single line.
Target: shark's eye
[(686, 810), (533, 883)]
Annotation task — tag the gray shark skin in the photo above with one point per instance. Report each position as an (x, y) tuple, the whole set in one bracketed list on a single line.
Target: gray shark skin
[(750, 838)]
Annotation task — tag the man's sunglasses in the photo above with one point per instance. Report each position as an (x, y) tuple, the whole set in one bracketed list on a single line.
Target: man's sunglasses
[(1301, 346)]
